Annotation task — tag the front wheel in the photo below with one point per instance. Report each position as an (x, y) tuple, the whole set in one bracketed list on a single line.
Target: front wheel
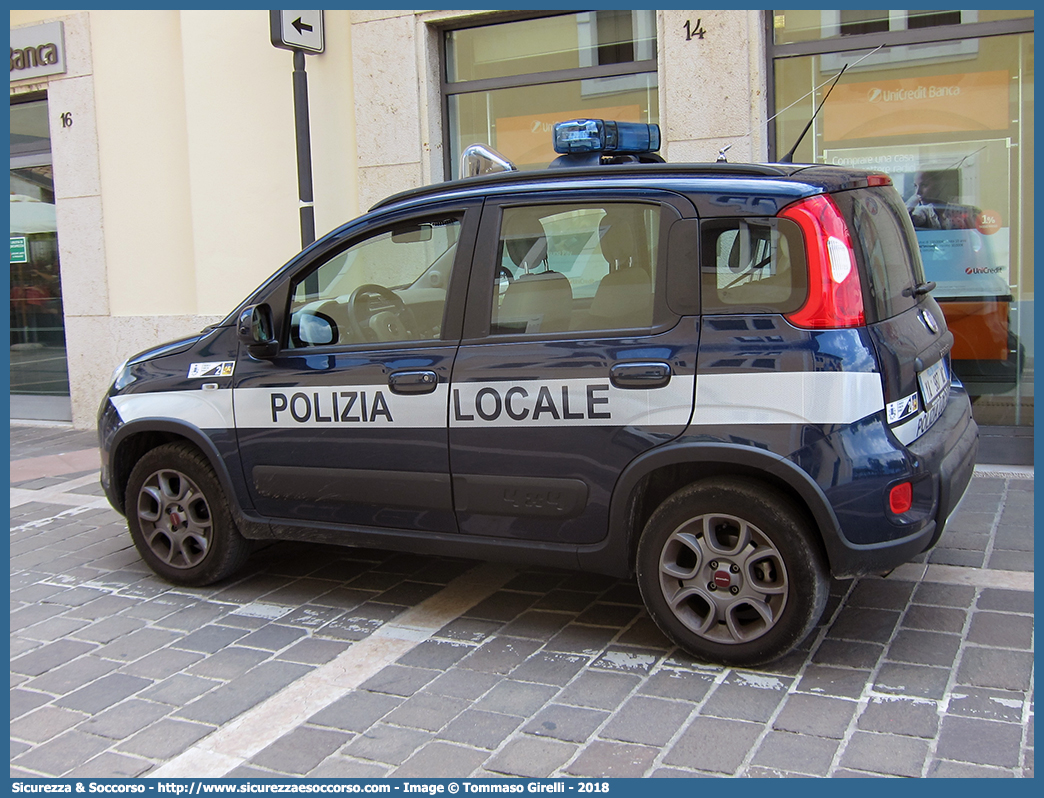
[(729, 571), (179, 518)]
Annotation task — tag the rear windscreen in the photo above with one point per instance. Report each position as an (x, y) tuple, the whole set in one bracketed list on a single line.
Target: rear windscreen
[(885, 247)]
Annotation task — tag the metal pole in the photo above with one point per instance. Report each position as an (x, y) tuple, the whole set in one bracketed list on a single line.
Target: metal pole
[(304, 150)]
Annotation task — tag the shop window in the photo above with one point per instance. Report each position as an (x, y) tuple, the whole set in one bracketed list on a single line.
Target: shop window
[(945, 108), (930, 19), (507, 84), (856, 21), (615, 36), (796, 25)]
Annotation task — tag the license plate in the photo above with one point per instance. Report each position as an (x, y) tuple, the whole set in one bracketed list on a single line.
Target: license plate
[(934, 380)]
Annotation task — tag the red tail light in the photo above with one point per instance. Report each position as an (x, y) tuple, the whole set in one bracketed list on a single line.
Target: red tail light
[(835, 295), (900, 498)]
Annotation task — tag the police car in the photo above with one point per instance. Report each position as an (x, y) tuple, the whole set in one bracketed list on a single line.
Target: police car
[(728, 380)]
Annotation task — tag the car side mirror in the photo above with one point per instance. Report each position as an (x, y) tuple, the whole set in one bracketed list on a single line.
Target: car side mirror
[(255, 331)]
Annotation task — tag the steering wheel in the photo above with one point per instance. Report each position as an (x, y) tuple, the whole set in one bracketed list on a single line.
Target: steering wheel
[(386, 324)]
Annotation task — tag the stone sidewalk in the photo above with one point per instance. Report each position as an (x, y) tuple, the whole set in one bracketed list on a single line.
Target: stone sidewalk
[(327, 662)]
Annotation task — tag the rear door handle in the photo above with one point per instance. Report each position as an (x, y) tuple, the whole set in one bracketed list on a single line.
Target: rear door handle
[(411, 382), (640, 375)]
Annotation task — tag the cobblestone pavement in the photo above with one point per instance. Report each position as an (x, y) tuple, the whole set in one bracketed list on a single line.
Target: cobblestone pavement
[(323, 661)]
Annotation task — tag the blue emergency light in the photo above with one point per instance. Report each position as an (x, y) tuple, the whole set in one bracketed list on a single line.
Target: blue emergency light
[(603, 135)]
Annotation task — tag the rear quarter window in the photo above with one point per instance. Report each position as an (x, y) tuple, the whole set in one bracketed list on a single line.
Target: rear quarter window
[(885, 247), (754, 265)]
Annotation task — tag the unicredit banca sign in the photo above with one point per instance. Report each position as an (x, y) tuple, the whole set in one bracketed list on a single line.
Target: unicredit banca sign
[(37, 51)]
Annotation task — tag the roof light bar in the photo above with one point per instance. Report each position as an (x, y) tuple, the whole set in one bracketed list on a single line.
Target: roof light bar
[(603, 135)]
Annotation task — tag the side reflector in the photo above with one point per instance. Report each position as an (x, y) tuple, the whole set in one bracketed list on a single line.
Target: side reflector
[(835, 294), (900, 498)]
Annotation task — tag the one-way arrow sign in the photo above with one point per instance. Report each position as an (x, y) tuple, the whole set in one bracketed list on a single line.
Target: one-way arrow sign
[(297, 30)]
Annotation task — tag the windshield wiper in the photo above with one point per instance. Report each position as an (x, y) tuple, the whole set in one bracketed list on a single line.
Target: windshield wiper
[(920, 289)]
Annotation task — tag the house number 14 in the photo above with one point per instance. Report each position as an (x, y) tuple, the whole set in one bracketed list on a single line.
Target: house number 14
[(694, 31)]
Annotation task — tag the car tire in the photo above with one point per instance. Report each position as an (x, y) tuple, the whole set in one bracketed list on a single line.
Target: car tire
[(729, 571), (179, 518)]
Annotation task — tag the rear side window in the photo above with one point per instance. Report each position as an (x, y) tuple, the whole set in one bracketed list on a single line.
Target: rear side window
[(885, 247), (752, 265), (576, 267)]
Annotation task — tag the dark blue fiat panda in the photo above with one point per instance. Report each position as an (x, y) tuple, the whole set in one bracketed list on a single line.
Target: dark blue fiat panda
[(727, 380)]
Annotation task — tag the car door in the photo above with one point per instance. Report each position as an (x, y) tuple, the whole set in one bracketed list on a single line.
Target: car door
[(572, 363), (346, 423)]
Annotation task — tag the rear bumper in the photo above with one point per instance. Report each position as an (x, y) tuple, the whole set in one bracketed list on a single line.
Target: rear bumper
[(948, 450), (946, 454)]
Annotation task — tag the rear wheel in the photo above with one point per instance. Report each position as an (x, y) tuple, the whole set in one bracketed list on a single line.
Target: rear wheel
[(179, 518), (729, 571)]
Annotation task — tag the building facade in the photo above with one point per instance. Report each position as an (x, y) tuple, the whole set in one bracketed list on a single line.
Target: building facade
[(155, 176), (165, 152)]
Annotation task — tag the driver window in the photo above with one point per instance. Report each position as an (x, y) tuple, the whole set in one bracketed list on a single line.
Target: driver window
[(386, 288)]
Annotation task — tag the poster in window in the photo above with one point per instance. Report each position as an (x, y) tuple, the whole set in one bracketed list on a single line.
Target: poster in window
[(957, 194)]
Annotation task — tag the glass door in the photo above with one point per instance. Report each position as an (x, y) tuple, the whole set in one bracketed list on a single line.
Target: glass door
[(39, 370)]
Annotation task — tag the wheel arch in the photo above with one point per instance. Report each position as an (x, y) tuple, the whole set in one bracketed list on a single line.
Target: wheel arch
[(655, 475), (136, 438)]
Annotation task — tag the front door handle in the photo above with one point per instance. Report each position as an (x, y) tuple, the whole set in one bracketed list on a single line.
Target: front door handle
[(411, 382), (640, 375)]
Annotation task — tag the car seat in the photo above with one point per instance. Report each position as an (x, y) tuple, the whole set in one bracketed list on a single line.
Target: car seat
[(624, 296), (536, 301)]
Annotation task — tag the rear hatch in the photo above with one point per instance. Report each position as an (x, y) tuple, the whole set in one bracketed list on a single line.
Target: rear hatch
[(905, 323)]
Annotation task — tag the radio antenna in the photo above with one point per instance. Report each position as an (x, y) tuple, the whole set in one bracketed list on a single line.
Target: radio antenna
[(789, 157), (821, 85), (817, 88)]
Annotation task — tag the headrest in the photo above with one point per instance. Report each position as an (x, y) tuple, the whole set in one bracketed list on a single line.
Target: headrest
[(618, 243), (624, 293), (524, 238), (543, 301)]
